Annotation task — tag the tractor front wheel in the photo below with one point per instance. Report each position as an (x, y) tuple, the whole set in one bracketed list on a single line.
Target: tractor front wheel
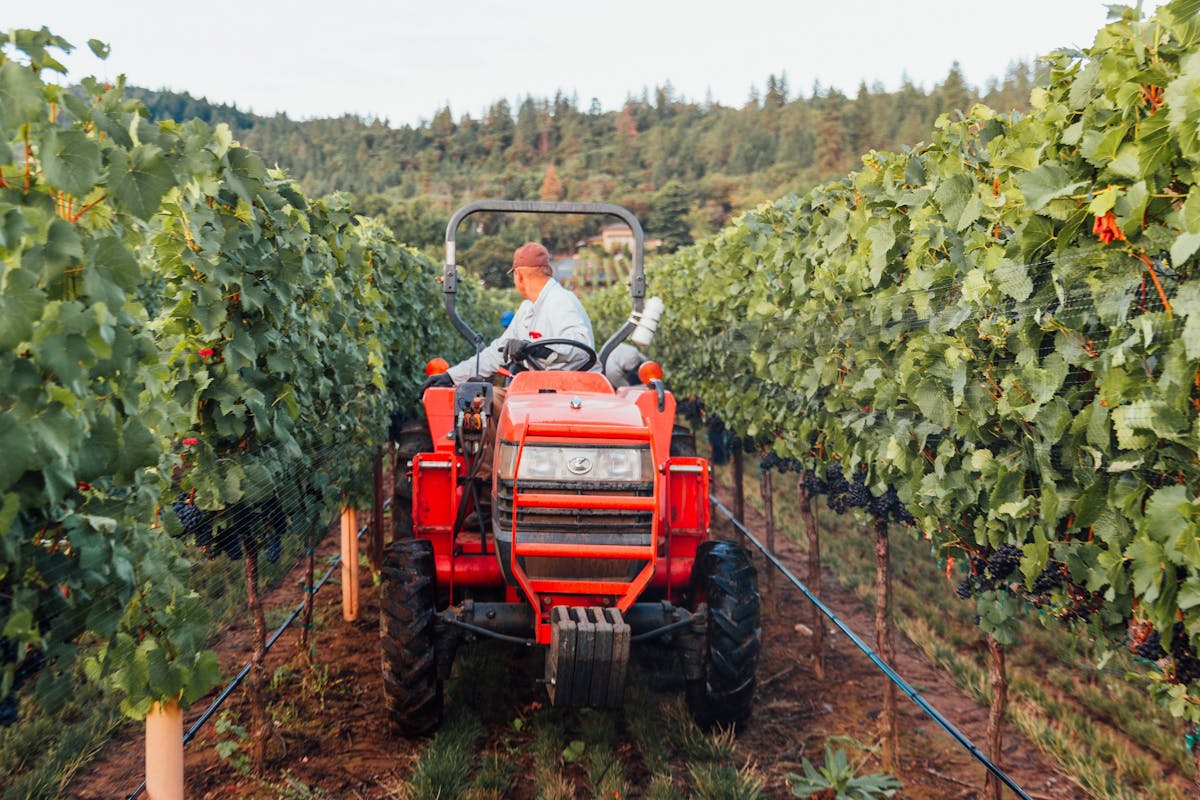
[(408, 593), (726, 580)]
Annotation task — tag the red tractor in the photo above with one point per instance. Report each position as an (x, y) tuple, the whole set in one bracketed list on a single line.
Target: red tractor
[(590, 539)]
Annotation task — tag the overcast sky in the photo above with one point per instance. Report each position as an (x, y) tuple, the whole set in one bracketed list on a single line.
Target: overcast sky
[(402, 61)]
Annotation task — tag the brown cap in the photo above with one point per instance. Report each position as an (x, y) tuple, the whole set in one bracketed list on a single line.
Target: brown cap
[(531, 254)]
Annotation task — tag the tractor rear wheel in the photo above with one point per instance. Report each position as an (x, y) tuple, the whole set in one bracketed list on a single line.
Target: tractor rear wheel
[(724, 576), (408, 593)]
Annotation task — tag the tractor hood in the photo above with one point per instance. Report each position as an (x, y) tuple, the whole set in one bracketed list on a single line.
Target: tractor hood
[(566, 404)]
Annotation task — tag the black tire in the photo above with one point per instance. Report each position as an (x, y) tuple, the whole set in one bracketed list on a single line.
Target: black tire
[(411, 437), (724, 576), (408, 593)]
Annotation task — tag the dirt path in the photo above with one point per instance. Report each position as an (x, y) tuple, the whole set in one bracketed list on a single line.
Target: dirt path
[(333, 740)]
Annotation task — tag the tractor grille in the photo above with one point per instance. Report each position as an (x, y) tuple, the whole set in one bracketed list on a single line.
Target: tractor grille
[(586, 526)]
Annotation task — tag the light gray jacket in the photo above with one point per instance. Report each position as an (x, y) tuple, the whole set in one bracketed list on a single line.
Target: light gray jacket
[(556, 314)]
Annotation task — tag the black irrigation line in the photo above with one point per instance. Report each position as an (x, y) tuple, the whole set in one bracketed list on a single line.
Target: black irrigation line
[(904, 685), (241, 676)]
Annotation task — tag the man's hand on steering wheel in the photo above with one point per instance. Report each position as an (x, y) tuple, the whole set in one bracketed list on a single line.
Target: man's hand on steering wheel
[(514, 350)]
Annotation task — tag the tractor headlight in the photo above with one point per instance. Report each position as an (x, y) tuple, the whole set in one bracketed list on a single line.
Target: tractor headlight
[(558, 463)]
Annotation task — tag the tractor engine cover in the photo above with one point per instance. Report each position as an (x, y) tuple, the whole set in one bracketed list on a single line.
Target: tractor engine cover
[(588, 657)]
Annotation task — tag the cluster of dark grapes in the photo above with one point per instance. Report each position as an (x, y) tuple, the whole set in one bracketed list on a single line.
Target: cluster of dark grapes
[(1051, 578), (196, 522), (842, 494), (1075, 602), (1149, 645), (813, 483), (1146, 642), (261, 525), (990, 573), (836, 488), (887, 506), (1004, 561), (976, 582), (1187, 665), (771, 461)]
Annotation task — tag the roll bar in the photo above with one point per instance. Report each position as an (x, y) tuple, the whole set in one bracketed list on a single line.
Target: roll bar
[(637, 282)]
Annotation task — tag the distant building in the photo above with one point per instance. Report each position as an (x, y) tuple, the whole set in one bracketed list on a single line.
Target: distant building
[(600, 259), (617, 239)]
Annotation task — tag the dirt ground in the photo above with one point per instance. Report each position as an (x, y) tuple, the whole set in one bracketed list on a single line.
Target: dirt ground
[(333, 740)]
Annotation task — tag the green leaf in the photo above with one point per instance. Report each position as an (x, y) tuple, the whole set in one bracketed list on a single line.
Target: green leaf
[(99, 49), (1189, 594), (1191, 336), (1191, 211), (63, 251), (1103, 201), (932, 400), (1132, 425), (21, 303), (1147, 565), (71, 161), (1044, 184), (138, 181), (573, 751), (1013, 280), (1100, 147), (1154, 144), (10, 504), (139, 447), (112, 273), (19, 624), (958, 200), (20, 95), (882, 237), (1167, 515), (1181, 19), (204, 674)]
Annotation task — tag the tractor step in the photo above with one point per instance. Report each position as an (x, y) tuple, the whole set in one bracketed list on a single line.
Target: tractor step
[(588, 657)]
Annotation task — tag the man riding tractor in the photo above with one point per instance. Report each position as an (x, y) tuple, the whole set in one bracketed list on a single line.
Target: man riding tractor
[(559, 510)]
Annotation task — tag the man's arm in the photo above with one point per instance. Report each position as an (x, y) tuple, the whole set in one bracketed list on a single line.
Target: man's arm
[(489, 359)]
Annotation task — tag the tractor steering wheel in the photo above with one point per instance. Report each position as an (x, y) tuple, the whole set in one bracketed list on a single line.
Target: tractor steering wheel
[(534, 362)]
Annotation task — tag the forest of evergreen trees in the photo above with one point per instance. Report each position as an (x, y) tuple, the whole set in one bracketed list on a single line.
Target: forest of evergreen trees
[(683, 167)]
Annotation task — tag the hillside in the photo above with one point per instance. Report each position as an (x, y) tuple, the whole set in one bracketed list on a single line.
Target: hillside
[(683, 167)]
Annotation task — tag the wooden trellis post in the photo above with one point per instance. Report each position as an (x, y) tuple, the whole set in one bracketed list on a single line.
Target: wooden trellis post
[(884, 644), (375, 552), (814, 580), (739, 491), (164, 751), (768, 498), (992, 787), (349, 564)]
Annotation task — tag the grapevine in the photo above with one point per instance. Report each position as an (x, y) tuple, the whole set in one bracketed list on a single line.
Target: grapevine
[(994, 335), (180, 329)]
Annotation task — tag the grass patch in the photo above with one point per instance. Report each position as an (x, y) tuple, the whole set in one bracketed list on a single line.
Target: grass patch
[(725, 781), (446, 767), (43, 752), (643, 721), (496, 775), (603, 767)]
